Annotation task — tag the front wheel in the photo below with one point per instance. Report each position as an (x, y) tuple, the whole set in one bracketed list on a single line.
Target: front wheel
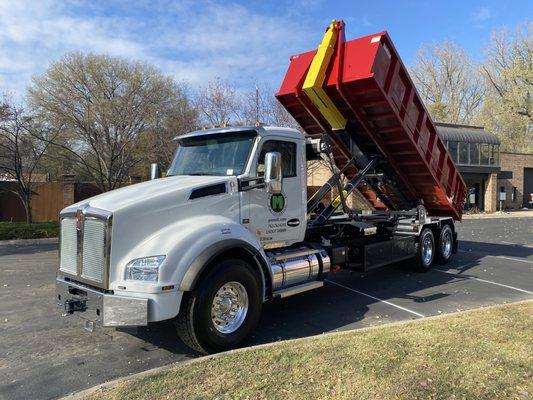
[(425, 254), (223, 310)]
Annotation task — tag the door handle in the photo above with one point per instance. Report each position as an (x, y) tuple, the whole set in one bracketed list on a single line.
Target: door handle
[(293, 222)]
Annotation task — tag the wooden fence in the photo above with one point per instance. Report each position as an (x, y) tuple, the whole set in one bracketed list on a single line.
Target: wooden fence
[(48, 199)]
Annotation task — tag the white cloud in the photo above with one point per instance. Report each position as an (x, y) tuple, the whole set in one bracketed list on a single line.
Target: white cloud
[(194, 41), (482, 14), (32, 34)]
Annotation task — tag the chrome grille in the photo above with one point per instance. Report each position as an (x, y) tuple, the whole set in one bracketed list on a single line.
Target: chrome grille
[(86, 245), (69, 242), (93, 259)]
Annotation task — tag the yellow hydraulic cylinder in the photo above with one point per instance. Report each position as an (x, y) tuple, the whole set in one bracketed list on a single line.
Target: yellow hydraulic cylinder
[(335, 203), (316, 76)]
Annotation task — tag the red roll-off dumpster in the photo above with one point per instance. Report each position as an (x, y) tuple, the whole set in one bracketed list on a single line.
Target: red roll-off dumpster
[(368, 83)]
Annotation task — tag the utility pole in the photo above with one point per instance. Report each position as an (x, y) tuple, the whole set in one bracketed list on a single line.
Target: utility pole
[(257, 123)]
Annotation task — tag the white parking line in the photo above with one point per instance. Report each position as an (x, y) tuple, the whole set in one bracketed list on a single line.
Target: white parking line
[(518, 244), (513, 259), (482, 280), (376, 298)]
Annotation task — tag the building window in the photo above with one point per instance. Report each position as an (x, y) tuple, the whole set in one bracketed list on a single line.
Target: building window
[(474, 153), (485, 154), (495, 155), (452, 149), (513, 195), (466, 153), (463, 152)]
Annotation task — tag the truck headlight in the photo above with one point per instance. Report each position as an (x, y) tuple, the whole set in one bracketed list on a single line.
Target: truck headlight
[(144, 269)]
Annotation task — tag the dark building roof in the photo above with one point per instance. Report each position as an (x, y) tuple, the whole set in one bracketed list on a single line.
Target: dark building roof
[(465, 133)]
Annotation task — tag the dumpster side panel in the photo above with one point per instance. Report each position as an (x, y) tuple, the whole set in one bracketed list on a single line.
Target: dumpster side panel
[(440, 184)]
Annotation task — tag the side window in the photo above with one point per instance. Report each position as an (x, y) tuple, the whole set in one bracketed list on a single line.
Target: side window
[(288, 157)]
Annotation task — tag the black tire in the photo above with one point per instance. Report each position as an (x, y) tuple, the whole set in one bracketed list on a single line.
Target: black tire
[(445, 245), (423, 262), (194, 323)]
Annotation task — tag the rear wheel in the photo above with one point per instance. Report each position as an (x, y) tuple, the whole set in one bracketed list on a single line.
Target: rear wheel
[(223, 310), (425, 254), (445, 247)]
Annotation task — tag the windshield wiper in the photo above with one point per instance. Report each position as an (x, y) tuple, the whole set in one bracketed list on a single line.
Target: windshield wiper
[(199, 174)]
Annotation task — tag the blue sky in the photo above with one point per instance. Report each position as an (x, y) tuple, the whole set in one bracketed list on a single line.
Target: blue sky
[(240, 41)]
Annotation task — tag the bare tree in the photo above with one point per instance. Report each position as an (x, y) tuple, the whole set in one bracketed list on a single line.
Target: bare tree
[(508, 72), (180, 118), (20, 150), (449, 82), (260, 106), (218, 103), (106, 105), (254, 108), (279, 116)]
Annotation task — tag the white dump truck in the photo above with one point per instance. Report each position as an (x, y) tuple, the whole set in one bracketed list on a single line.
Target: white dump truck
[(231, 226)]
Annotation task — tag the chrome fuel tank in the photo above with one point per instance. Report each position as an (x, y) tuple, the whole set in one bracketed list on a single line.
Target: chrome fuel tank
[(295, 266)]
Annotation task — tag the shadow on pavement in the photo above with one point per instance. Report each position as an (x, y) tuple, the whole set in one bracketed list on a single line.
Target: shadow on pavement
[(494, 249), (160, 335), (25, 249)]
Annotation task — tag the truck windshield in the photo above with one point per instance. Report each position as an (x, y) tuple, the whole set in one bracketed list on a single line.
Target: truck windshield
[(215, 154)]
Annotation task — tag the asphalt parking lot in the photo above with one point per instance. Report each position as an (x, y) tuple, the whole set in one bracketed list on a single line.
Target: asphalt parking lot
[(43, 355)]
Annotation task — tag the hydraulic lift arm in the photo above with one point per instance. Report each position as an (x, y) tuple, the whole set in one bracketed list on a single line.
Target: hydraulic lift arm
[(316, 75)]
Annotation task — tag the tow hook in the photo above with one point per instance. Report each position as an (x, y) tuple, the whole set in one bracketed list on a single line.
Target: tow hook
[(73, 305)]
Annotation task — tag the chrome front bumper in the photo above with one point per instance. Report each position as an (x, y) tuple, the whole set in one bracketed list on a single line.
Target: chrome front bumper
[(98, 307)]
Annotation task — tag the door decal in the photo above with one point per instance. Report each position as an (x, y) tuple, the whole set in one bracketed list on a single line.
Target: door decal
[(277, 203)]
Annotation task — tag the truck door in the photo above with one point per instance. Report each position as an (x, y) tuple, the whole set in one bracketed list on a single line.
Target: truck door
[(279, 219)]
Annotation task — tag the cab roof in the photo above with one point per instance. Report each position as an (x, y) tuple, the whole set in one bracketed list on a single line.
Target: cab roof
[(261, 130)]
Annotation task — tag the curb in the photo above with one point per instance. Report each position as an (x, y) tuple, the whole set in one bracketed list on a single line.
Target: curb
[(151, 372), (496, 215), (28, 242)]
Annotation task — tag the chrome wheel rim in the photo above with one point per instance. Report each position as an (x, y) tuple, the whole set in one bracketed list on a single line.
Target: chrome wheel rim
[(427, 250), (229, 307), (446, 243)]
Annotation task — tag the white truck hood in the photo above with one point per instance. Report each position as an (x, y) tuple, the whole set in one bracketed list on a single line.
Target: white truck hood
[(143, 213), (176, 187)]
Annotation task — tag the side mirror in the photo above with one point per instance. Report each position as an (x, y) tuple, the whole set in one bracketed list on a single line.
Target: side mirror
[(273, 172), (154, 171)]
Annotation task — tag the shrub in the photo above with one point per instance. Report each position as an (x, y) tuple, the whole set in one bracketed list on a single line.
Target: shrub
[(22, 230)]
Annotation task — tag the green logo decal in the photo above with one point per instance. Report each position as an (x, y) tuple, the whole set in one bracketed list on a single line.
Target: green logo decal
[(277, 203)]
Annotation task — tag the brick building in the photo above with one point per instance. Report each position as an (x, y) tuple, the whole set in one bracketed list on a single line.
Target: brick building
[(516, 180), (494, 178), (476, 153)]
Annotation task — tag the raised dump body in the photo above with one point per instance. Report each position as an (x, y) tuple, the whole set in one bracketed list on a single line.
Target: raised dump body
[(368, 100)]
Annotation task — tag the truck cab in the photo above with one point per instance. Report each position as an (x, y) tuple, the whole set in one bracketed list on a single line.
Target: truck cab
[(130, 256)]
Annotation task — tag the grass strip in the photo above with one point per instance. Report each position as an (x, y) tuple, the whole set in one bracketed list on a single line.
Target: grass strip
[(484, 354)]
